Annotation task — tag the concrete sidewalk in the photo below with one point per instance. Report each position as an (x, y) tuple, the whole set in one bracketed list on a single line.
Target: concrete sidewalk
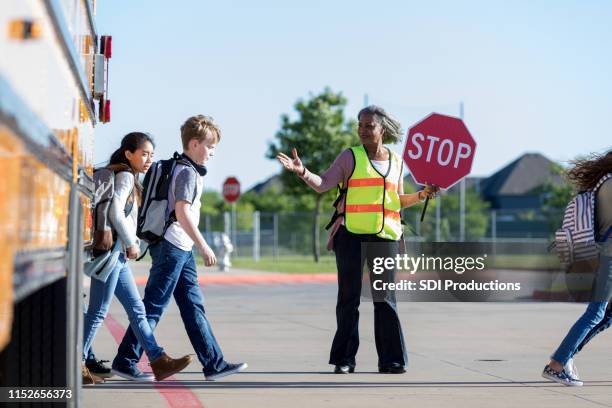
[(461, 354)]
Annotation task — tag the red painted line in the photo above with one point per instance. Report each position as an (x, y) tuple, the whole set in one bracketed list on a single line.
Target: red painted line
[(177, 396), (263, 279)]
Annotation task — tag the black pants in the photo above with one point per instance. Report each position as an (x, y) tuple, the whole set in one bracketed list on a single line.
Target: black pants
[(387, 328)]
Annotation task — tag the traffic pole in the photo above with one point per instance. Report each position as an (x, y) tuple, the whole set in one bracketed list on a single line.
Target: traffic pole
[(275, 242), (256, 236), (233, 224), (461, 194), (438, 209)]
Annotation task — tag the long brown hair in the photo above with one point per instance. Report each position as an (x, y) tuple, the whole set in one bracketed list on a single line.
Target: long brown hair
[(586, 172), (119, 162)]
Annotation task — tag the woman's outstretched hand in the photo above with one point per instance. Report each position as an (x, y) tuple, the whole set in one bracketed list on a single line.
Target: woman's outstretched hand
[(294, 165)]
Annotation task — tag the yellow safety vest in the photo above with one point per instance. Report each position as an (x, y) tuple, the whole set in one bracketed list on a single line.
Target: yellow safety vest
[(372, 203)]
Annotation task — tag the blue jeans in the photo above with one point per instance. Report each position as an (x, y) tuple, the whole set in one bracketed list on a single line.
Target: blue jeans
[(596, 319), (174, 273), (604, 324), (583, 330), (121, 283)]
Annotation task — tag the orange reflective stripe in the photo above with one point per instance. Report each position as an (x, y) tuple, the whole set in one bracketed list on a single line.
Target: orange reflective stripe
[(372, 182), (363, 208), (390, 186), (392, 214), (367, 208), (366, 182)]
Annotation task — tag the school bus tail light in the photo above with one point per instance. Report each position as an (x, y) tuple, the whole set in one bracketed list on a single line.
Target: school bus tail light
[(100, 82)]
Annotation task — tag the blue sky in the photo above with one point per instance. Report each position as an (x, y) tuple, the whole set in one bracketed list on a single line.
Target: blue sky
[(534, 76)]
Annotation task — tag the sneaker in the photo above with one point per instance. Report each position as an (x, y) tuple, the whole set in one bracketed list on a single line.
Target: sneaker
[(561, 377), (164, 366), (571, 370), (98, 368), (133, 374), (89, 378), (228, 370)]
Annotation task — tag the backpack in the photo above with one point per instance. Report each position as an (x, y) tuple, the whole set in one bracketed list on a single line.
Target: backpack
[(104, 191), (576, 242), (153, 219)]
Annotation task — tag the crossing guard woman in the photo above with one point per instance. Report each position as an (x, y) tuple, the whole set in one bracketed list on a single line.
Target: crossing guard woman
[(369, 178)]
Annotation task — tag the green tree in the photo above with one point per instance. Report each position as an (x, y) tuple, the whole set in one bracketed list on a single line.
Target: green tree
[(319, 134), (476, 216), (272, 200), (556, 195), (213, 206)]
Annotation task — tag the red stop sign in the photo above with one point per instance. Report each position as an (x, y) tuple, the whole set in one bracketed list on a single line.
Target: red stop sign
[(231, 189), (439, 150)]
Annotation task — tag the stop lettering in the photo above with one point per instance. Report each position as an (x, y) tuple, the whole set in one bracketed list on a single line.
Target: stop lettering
[(439, 150), (446, 150), (231, 189)]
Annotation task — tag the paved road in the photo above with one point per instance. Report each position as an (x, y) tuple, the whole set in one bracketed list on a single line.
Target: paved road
[(461, 354)]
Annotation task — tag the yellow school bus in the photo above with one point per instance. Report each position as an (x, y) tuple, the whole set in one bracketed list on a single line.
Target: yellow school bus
[(53, 67)]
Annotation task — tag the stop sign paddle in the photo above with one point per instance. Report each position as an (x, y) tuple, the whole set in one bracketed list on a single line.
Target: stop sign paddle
[(231, 189), (439, 151)]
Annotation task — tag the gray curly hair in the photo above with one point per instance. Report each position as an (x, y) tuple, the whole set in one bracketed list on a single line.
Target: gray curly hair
[(391, 126)]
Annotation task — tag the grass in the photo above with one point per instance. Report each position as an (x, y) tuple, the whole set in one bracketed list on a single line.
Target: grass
[(327, 264), (288, 264), (528, 261)]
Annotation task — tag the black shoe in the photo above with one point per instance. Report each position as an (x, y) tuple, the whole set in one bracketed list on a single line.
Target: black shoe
[(343, 369), (98, 368), (394, 368)]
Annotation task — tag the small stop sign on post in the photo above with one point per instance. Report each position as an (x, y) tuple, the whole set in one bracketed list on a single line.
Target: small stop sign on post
[(231, 189), (439, 150)]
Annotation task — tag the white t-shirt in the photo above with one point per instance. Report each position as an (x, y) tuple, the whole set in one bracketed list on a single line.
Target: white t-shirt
[(381, 165), (186, 185)]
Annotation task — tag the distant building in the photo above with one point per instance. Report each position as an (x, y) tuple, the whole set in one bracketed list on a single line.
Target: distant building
[(267, 184), (516, 186)]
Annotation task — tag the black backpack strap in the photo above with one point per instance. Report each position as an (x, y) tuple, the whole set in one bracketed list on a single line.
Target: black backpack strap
[(333, 219), (595, 190), (341, 194), (171, 220), (606, 235), (129, 204), (144, 253)]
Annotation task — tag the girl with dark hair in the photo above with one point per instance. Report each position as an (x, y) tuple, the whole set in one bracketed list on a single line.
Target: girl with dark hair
[(585, 175), (133, 157)]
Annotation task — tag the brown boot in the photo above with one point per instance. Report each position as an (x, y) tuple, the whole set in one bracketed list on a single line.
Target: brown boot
[(89, 378), (165, 366)]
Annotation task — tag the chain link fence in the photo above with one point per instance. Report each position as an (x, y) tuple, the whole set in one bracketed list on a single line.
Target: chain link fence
[(265, 234)]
